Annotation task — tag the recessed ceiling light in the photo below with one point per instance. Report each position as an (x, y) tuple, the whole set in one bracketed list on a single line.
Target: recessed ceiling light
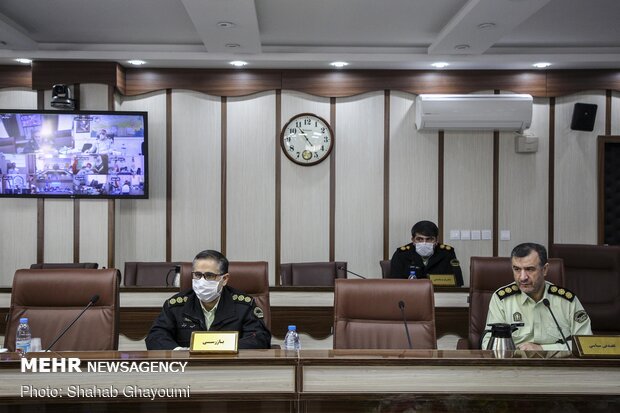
[(541, 65), (461, 47), (23, 60), (238, 63), (440, 65), (225, 25), (486, 26), (339, 64), (136, 62), (232, 45)]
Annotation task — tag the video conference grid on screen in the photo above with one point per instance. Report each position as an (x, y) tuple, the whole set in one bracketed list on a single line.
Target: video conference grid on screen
[(73, 154)]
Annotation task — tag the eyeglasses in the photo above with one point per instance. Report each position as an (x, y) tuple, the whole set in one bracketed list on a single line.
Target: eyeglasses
[(209, 276)]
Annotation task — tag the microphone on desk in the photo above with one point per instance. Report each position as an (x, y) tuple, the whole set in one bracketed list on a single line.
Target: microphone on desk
[(547, 304), (92, 301), (351, 272), (401, 305)]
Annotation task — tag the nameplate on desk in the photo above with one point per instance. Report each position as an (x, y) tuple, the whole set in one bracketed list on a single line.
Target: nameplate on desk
[(597, 346), (443, 280), (214, 342)]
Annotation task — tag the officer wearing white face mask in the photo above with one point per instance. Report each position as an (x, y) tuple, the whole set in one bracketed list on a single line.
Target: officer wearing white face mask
[(209, 305), (423, 256)]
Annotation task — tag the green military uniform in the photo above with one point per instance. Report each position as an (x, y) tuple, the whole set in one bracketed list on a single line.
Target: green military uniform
[(509, 305), (443, 261)]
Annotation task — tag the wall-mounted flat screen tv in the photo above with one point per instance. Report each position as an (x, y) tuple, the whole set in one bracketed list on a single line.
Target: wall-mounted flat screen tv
[(50, 153)]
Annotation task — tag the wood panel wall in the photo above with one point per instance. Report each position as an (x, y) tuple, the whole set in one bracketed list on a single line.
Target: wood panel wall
[(214, 183)]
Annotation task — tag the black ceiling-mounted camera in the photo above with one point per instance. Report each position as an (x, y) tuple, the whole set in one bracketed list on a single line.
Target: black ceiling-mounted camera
[(61, 97)]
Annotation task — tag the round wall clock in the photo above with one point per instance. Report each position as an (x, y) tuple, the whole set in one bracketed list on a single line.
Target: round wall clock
[(307, 139)]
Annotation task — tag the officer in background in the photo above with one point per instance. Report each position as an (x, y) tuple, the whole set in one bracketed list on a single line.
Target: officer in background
[(524, 302), (210, 305), (424, 256)]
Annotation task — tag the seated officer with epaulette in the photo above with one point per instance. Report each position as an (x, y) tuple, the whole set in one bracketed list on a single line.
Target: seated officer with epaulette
[(524, 302), (424, 256), (209, 305)]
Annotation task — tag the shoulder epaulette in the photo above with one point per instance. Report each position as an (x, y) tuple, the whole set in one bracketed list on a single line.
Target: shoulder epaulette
[(241, 298), (507, 291), (177, 300), (405, 247), (562, 292), (445, 247)]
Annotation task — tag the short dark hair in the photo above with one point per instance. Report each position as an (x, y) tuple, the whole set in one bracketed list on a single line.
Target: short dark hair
[(525, 249), (216, 256), (426, 228)]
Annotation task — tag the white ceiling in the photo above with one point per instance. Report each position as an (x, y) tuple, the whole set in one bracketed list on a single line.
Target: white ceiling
[(309, 34)]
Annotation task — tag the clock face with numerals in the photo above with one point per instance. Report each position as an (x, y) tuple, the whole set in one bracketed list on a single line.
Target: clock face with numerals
[(307, 139)]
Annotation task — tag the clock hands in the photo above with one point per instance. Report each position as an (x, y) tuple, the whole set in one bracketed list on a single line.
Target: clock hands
[(306, 137)]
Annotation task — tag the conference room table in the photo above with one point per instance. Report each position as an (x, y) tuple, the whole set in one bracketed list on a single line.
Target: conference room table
[(317, 381)]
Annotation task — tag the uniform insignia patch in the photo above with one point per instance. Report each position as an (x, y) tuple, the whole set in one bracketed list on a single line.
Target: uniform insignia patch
[(177, 300), (581, 316), (516, 317), (248, 299), (258, 312), (454, 262), (561, 292), (234, 296), (508, 291), (240, 297)]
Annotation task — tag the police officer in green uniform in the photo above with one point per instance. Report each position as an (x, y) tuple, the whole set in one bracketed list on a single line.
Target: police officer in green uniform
[(524, 302), (424, 256), (209, 305)]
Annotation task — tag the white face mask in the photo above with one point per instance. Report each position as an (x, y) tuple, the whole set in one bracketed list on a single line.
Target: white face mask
[(207, 291), (424, 249)]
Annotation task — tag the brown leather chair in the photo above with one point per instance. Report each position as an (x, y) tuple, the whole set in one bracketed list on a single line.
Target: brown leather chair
[(592, 272), (487, 274), (367, 314), (386, 268), (251, 277), (312, 273), (51, 299), (149, 274), (56, 265)]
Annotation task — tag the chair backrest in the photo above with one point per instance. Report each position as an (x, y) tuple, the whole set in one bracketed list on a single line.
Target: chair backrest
[(56, 265), (149, 273), (592, 272), (51, 299), (251, 277), (386, 268), (367, 314), (487, 274), (312, 273)]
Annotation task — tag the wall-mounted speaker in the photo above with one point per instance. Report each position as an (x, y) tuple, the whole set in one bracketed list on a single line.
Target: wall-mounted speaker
[(584, 115)]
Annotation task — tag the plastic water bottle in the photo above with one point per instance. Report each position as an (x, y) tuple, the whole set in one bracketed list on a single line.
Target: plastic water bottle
[(291, 340), (412, 273), (23, 337)]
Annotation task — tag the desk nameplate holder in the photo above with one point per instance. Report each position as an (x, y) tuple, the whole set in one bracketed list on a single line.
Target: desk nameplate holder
[(443, 280), (214, 342), (596, 346)]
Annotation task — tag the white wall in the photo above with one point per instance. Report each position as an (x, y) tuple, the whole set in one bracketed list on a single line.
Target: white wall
[(252, 147)]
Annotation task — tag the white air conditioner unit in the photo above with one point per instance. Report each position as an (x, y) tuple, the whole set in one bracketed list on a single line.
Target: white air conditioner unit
[(473, 112)]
